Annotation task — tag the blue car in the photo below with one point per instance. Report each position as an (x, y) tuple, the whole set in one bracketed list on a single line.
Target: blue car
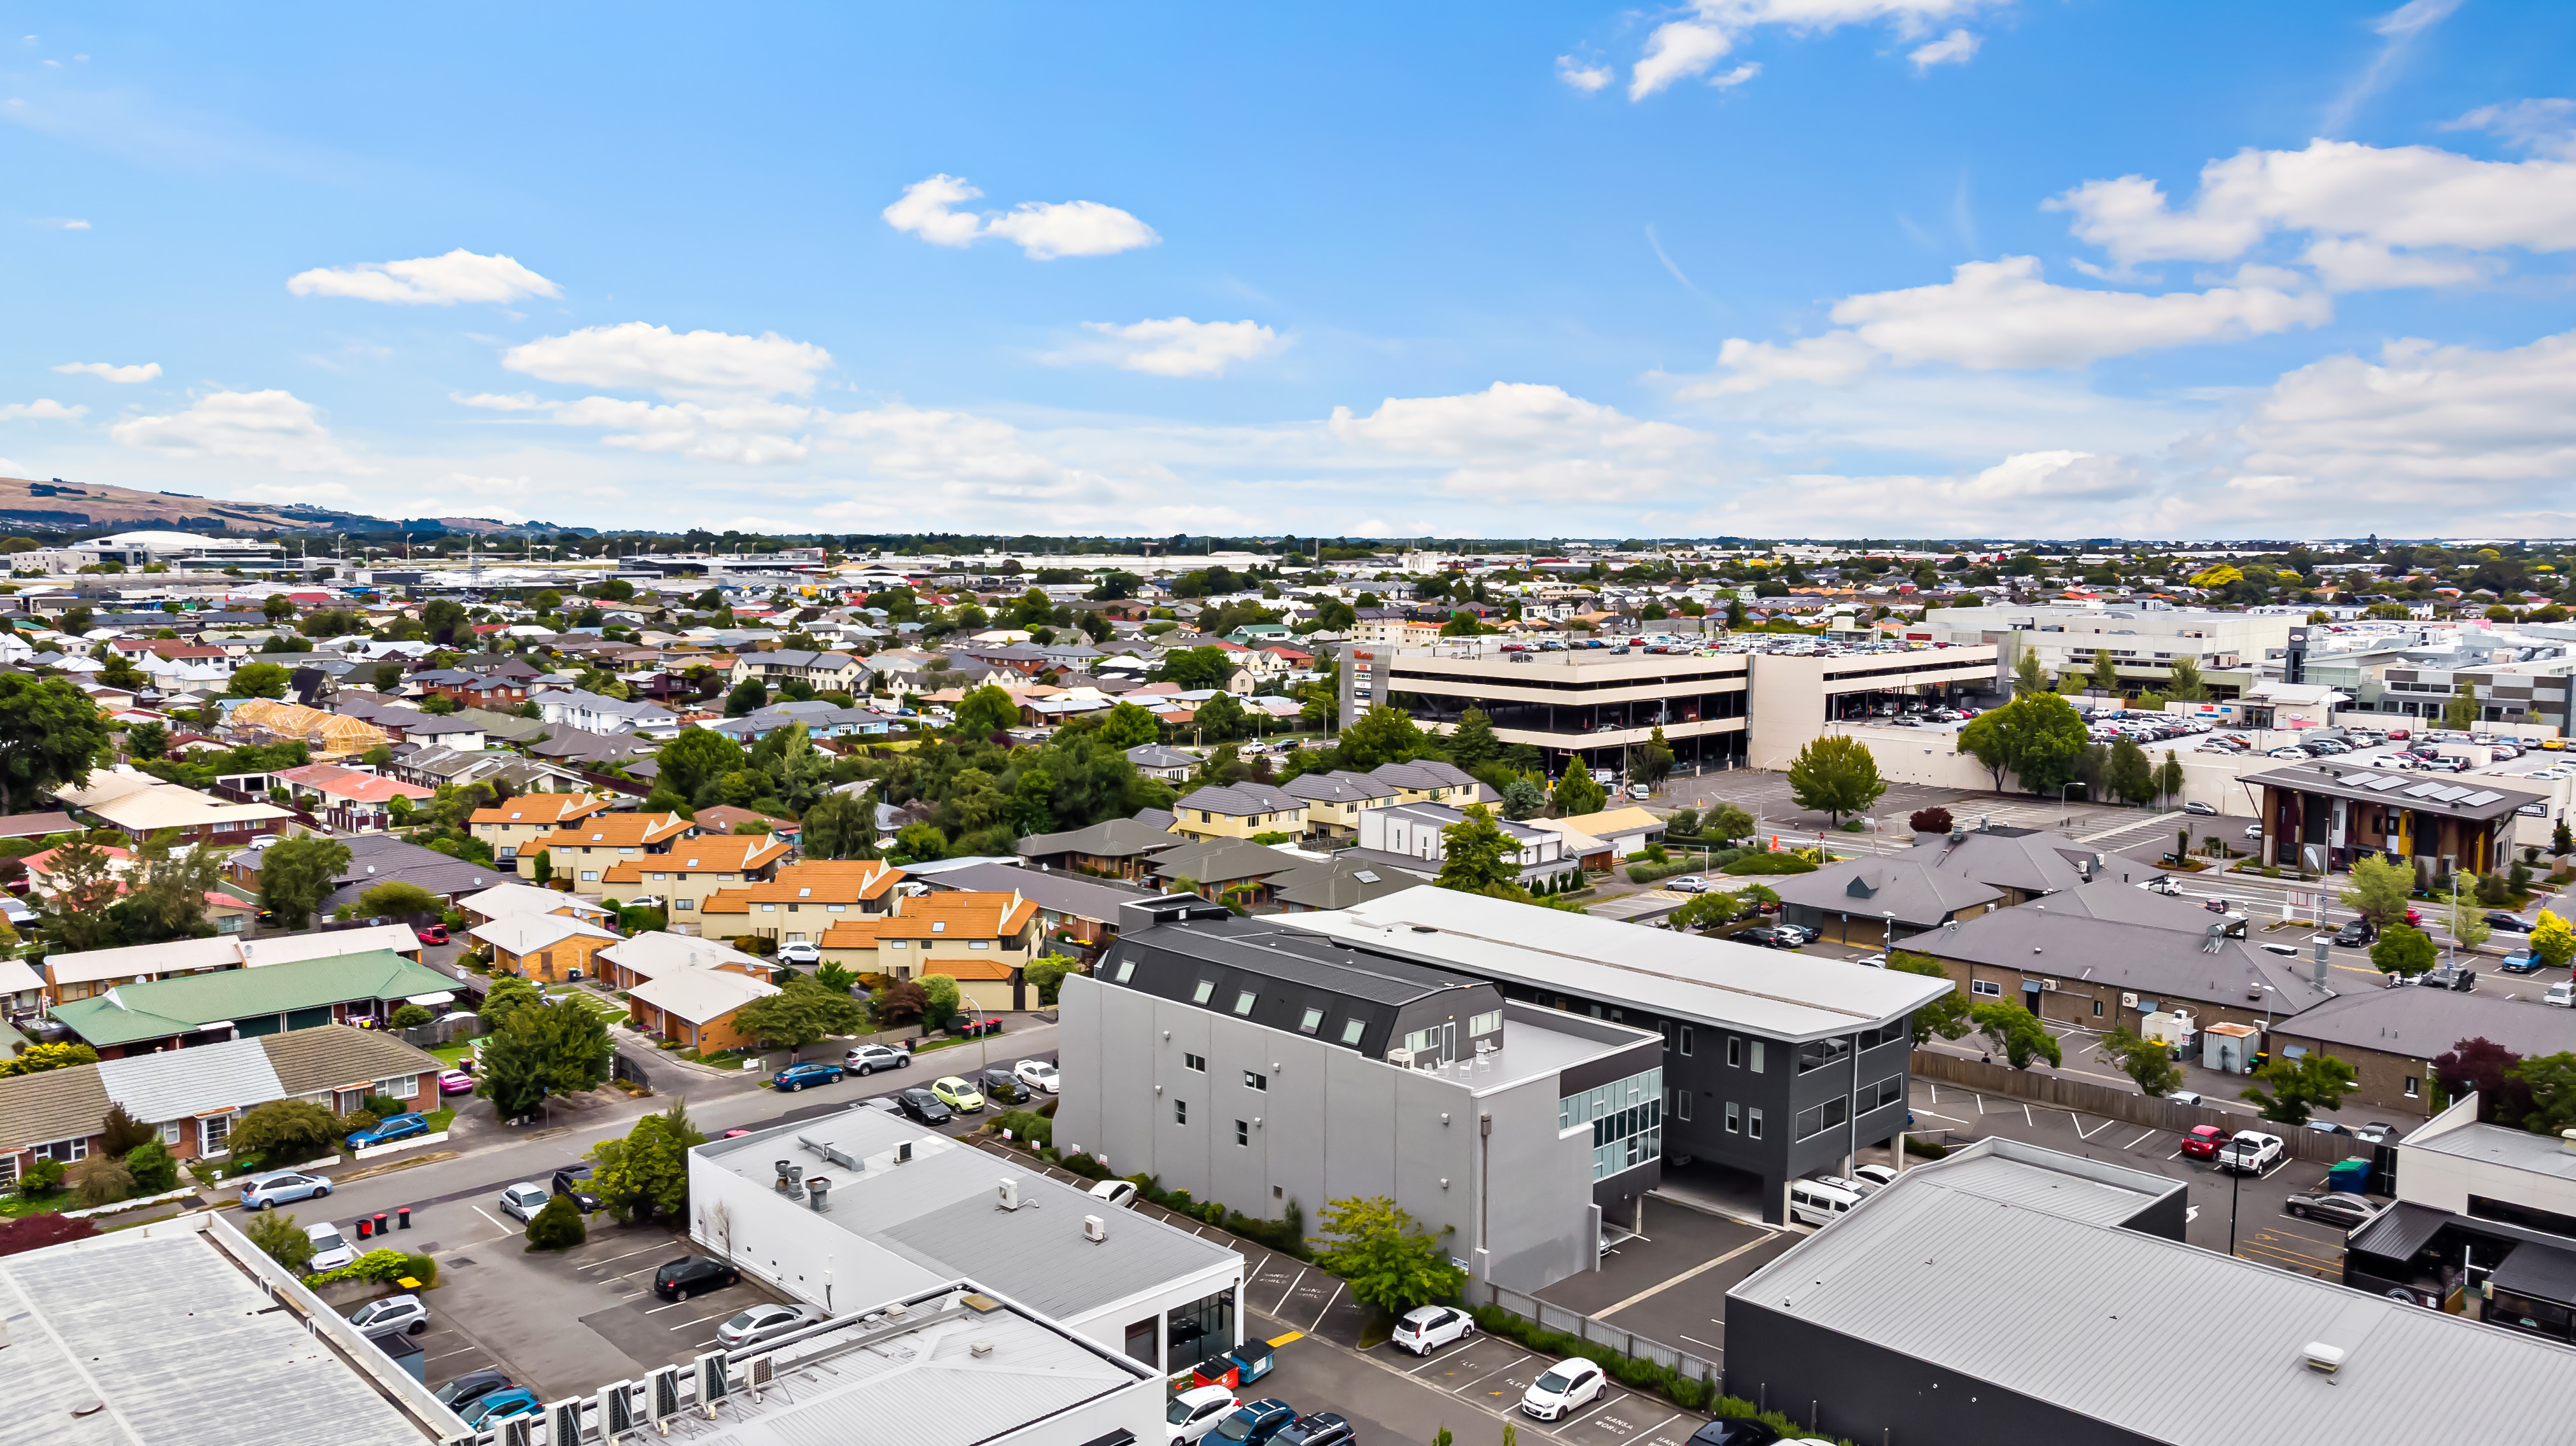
[(1252, 1423), (390, 1129), (2521, 961), (500, 1406), (797, 1076)]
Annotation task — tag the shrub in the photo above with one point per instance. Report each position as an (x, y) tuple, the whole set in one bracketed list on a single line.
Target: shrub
[(1085, 1166), (1928, 1149), (410, 1016), (356, 1120), (385, 1107), (1935, 819), (281, 1238), (1023, 1125), (558, 1226), (152, 1168), (37, 1231), (377, 1265), (101, 1180), (1758, 863), (41, 1178), (423, 1268)]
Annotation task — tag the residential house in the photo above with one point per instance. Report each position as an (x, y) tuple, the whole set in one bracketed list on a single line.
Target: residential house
[(1239, 811), (686, 872), (798, 902), (139, 806), (508, 825), (595, 713), (1340, 882), (503, 901), (1168, 764), (1429, 780), (819, 719), (1224, 869), (193, 1096), (2098, 974), (585, 849), (580, 748), (827, 672), (1626, 830), (1077, 916), (632, 960), (196, 1009), (2391, 1036), (85, 975), (475, 690), (1413, 838), (724, 818), (982, 940), (1335, 802), (695, 1008), (349, 800), (547, 948), (1116, 848), (37, 825)]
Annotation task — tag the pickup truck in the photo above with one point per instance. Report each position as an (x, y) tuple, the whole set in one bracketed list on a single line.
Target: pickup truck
[(2251, 1152)]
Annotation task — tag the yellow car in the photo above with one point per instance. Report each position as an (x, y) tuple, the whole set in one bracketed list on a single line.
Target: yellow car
[(958, 1095), (2553, 744)]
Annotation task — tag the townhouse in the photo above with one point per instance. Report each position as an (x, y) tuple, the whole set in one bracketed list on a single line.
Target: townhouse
[(826, 672), (982, 940), (348, 800), (640, 957), (797, 903), (509, 826), (689, 872), (545, 948), (588, 847), (197, 1009), (1336, 802), (94, 972), (1241, 811)]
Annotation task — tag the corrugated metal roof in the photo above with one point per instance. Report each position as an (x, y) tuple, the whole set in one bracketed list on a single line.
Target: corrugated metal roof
[(2175, 1343), (2000, 1177), (179, 1084), (133, 1012)]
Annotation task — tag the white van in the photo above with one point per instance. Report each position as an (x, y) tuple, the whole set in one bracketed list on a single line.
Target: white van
[(1821, 1202), (2562, 994)]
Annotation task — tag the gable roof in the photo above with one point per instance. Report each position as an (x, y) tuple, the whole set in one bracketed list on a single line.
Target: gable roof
[(614, 830), (225, 951), (1423, 775), (1909, 888), (721, 853), (701, 995), (1224, 860), (817, 881), (1242, 800), (540, 809), (1612, 822), (160, 1008), (656, 952), (520, 933), (1340, 787), (2421, 1023), (1113, 838), (504, 900), (2159, 964)]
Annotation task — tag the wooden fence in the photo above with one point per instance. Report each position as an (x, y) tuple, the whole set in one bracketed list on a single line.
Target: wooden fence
[(2080, 1097)]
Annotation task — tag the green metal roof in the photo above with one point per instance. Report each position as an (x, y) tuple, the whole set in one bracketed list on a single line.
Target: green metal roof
[(134, 1012)]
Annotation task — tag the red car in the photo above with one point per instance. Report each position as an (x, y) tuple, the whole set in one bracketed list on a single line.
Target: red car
[(431, 934), (2203, 1142)]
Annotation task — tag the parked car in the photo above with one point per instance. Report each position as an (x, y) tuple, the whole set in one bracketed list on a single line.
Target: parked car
[(1322, 1428), (763, 1323), (1875, 1176), (574, 1180), (2454, 976), (404, 1313), (2377, 1132), (500, 1405), (1038, 1075), (2254, 831), (2163, 884), (330, 1252), (1195, 1412), (867, 1059), (2356, 932), (456, 1082), (1120, 1193), (2250, 1152), (924, 1106), (2203, 1142), (1569, 1384), (2520, 961), (804, 952), (1640, 792), (1871, 961), (1253, 1423), (1734, 1431), (1687, 884), (692, 1275), (523, 1200), (473, 1386), (958, 1095), (999, 1085), (813, 1072), (267, 1192), (2504, 923), (2326, 1127), (1770, 936), (431, 933), (2337, 1206), (2561, 995), (1428, 1327), (388, 1130)]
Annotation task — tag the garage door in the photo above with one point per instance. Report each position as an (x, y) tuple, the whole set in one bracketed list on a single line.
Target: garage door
[(265, 1024), (308, 1018)]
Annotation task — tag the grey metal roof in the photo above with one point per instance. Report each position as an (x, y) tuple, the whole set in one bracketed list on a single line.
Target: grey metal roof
[(177, 1084), (2160, 964), (2013, 1173), (2399, 1231), (1910, 888), (2148, 1335), (1112, 838), (2120, 900), (1267, 949), (2498, 1145), (2421, 1023), (184, 1349)]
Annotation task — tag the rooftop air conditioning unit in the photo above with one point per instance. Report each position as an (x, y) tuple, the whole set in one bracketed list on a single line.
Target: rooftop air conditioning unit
[(2323, 1357), (1093, 1229), (1008, 1194)]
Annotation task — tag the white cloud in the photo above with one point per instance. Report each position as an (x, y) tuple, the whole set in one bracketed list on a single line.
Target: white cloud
[(753, 433), (1682, 48), (2348, 265), (2385, 197), (67, 223), (1737, 76), (699, 364), (1174, 346), (498, 402), (1832, 359), (1518, 441), (1583, 77), (460, 275), (2546, 126), (1043, 230), (1956, 48), (110, 372), (42, 409), (273, 427)]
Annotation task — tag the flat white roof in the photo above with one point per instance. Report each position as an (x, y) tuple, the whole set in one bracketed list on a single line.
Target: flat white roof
[(1765, 991)]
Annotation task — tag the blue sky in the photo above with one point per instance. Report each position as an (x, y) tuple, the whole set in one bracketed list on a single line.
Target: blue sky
[(1775, 267)]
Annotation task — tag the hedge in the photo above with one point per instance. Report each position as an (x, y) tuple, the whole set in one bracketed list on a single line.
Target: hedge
[(1688, 1392), (382, 1265), (1760, 863)]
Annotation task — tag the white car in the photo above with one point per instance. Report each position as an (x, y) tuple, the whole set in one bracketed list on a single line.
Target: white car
[(1875, 1175), (1567, 1385), (1640, 792), (765, 1323), (1038, 1075), (404, 1313), (2250, 1152), (2163, 884), (1121, 1193), (1426, 1327), (869, 1058), (1872, 961), (1687, 884), (525, 1199), (1195, 1412), (800, 951), (330, 1252)]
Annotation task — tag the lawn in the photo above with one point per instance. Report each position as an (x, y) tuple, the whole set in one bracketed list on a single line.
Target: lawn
[(604, 1008)]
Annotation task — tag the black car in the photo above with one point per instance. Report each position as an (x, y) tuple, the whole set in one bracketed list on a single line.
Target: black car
[(2336, 1207), (2504, 923), (1323, 1428), (924, 1106), (574, 1180), (466, 1389), (1734, 1431), (1771, 936), (1002, 1087), (2356, 933), (1252, 1423), (691, 1274)]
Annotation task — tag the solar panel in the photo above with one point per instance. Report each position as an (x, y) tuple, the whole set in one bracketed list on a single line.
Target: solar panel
[(2376, 785), (2425, 790), (2480, 800)]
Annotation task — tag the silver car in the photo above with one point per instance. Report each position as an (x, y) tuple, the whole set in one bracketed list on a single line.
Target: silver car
[(869, 1058), (267, 1192), (765, 1323), (524, 1200), (404, 1313)]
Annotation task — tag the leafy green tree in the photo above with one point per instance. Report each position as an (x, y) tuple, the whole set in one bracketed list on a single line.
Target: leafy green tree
[(837, 826), (284, 1132), (297, 874), (2299, 1087), (2147, 1061), (802, 1013), (558, 1225), (2169, 778), (146, 741), (281, 1239), (2130, 775), (2551, 1079), (120, 672), (1523, 799), (2037, 737), (984, 712), (1391, 1263), (1220, 719), (1576, 794), (691, 763), (543, 870), (1946, 1016), (833, 974), (1475, 853), (1727, 821), (2379, 890), (1130, 725), (2467, 921), (582, 1056), (941, 1001), (1046, 975), (121, 1132), (1472, 743), (398, 898), (2403, 950), (2029, 678), (49, 734), (258, 680), (646, 1174), (2461, 712), (2016, 1031), (919, 841), (2183, 682), (2105, 674), (101, 1180), (2553, 940), (1196, 668), (1836, 775), (152, 1168), (166, 895), (518, 1064), (748, 696), (1382, 735)]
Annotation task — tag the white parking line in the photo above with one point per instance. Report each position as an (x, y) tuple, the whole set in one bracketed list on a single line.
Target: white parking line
[(702, 1320), (1606, 1400), (1292, 1286), (613, 1259), (2026, 1117), (1954, 1119), (497, 1225), (1489, 1375), (2140, 1140), (1649, 1433), (2082, 1133), (1328, 1308), (657, 1310), (1981, 1105)]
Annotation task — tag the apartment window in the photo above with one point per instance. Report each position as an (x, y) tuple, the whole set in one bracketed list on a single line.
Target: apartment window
[(1682, 1103), (1734, 1117), (1815, 1054), (1753, 1123), (64, 1152), (589, 876), (1485, 1023), (971, 944), (689, 904), (1196, 1062), (402, 1087), (2097, 1009), (2410, 1087), (1243, 1134), (902, 944), (1871, 1096), (836, 908), (1753, 1056), (1985, 989), (1310, 1021), (1816, 1119), (1126, 970), (170, 1133), (1734, 1052), (1352, 1029), (1243, 1002), (1253, 1081), (1626, 1117), (1689, 1042), (1202, 991), (1180, 1112)]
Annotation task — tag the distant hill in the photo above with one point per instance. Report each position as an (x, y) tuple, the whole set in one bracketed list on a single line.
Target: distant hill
[(65, 506)]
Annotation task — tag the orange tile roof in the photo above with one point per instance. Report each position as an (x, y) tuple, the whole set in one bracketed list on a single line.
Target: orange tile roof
[(963, 915), (540, 808), (720, 855), (826, 881), (617, 830)]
